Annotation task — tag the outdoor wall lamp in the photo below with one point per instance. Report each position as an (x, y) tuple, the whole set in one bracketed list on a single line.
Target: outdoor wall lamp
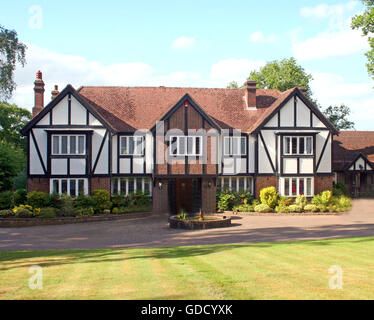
[(209, 184), (160, 185)]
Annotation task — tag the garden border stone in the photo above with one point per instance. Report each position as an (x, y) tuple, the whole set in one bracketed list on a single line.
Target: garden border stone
[(31, 222), (221, 222), (276, 214)]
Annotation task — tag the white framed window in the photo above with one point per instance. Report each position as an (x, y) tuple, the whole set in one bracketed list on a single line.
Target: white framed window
[(298, 145), (68, 144), (235, 184), (72, 187), (234, 146), (186, 146), (132, 145), (295, 186), (130, 185)]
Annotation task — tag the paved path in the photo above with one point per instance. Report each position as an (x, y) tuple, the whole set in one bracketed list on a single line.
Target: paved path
[(154, 231)]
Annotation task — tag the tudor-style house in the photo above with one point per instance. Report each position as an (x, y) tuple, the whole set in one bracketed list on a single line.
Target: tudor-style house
[(179, 145)]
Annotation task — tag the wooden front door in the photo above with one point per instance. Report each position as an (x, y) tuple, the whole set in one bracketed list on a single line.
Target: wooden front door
[(187, 195)]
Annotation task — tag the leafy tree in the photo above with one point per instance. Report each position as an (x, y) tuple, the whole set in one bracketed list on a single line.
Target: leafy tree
[(12, 161), (282, 75), (365, 22), (338, 115), (12, 120), (11, 52), (233, 85)]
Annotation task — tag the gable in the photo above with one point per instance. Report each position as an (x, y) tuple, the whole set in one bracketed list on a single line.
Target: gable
[(296, 111), (361, 163), (67, 109)]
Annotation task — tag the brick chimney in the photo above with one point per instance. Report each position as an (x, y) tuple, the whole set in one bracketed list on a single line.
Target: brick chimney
[(250, 94), (55, 92), (39, 94)]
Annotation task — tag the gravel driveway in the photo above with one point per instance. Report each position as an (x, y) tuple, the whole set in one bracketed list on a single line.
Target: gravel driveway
[(154, 231)]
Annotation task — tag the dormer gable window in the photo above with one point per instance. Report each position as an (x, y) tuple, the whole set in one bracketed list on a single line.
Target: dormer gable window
[(132, 146), (298, 145)]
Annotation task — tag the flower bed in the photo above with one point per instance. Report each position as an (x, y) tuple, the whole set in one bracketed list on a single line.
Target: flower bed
[(30, 222), (194, 223)]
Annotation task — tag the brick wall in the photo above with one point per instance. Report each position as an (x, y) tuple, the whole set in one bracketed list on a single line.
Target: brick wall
[(38, 184), (160, 197), (99, 183), (323, 183), (208, 195), (264, 182)]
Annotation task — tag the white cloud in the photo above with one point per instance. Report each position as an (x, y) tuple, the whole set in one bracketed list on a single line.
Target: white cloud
[(183, 43), (259, 37), (333, 89), (330, 44), (229, 70)]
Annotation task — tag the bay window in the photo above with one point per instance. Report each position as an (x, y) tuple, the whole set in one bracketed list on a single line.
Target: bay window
[(295, 186), (126, 186), (71, 187)]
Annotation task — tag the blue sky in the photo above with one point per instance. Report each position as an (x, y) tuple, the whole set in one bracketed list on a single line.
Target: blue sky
[(191, 43)]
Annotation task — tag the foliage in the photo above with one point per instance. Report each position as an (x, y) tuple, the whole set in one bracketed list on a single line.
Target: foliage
[(67, 207), (12, 120), (269, 196), (12, 161), (301, 201), (263, 208), (115, 210), (84, 201), (282, 75), (295, 208), (225, 201), (339, 116), (20, 197), (311, 208), (284, 201), (106, 211), (54, 200), (101, 200), (48, 212), (244, 208), (20, 180), (85, 212), (26, 211), (12, 51), (37, 199), (365, 22), (322, 208), (233, 85), (340, 189), (282, 208), (6, 213), (6, 200), (133, 209), (183, 215), (324, 198)]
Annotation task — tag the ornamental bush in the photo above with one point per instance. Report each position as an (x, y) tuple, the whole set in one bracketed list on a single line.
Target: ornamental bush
[(20, 197), (6, 213), (262, 208), (301, 201), (48, 213), (282, 209), (101, 200), (269, 196), (324, 198), (225, 201), (6, 200), (344, 203), (37, 199), (25, 213), (295, 208), (340, 189), (311, 208), (85, 212), (244, 208), (84, 201)]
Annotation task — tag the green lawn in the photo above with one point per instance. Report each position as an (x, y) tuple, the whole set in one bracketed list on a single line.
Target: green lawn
[(294, 270)]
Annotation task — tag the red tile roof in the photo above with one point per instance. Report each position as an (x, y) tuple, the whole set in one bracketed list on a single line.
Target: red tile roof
[(129, 108), (349, 144)]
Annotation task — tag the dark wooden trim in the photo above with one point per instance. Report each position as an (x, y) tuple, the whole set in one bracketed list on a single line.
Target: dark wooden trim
[(323, 151), (38, 152), (69, 109), (51, 118), (28, 154), (279, 118), (295, 112), (186, 124), (267, 153), (110, 154), (87, 117), (293, 129), (65, 126), (68, 166), (68, 156), (100, 151), (70, 132), (118, 154), (311, 118), (256, 154), (296, 134), (281, 153), (276, 154)]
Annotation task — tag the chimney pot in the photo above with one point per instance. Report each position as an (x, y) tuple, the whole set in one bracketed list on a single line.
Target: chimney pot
[(55, 92), (39, 94), (250, 94)]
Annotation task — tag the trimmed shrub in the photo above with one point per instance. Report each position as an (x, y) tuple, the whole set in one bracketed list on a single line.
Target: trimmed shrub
[(48, 213), (301, 201), (322, 208), (263, 208), (340, 189), (6, 200), (284, 202), (54, 201), (6, 213), (244, 208), (25, 213), (282, 209), (20, 197), (85, 212), (295, 208), (101, 200), (106, 211), (332, 208), (269, 196), (37, 199), (225, 201), (84, 201), (324, 198), (123, 210), (343, 203), (115, 210), (311, 208), (67, 207)]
